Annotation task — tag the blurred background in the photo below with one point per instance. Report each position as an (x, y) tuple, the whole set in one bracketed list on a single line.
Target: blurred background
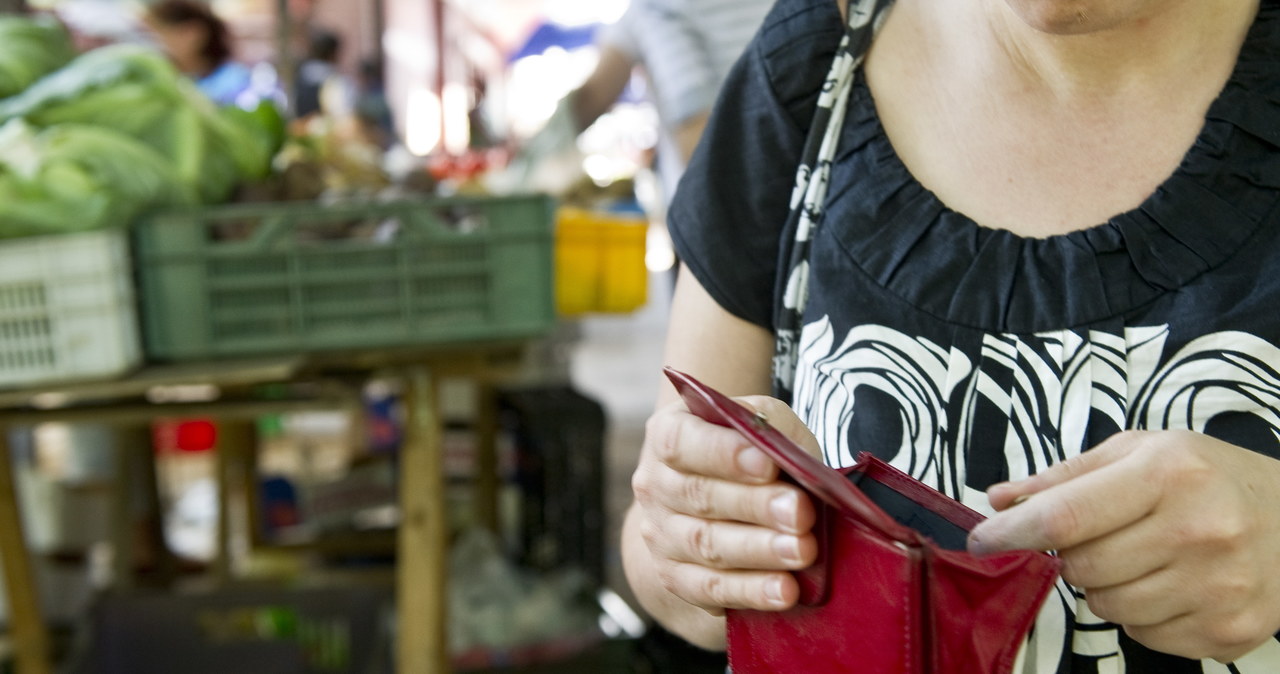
[(274, 273)]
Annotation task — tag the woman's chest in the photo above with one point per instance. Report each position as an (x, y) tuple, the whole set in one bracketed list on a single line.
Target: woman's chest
[(962, 408)]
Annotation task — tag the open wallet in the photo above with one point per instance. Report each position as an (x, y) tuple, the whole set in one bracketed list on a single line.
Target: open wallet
[(893, 590)]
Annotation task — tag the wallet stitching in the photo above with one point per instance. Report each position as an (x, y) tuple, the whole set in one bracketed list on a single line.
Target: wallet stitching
[(952, 510), (730, 629), (907, 626), (1027, 620)]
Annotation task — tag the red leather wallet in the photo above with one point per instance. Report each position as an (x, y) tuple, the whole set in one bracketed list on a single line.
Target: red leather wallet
[(893, 590)]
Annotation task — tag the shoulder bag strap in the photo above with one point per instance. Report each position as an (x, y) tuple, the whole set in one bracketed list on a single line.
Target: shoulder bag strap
[(809, 194)]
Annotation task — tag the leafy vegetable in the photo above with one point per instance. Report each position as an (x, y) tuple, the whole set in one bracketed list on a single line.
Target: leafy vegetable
[(259, 134), (135, 91), (73, 178), (29, 49), (105, 68)]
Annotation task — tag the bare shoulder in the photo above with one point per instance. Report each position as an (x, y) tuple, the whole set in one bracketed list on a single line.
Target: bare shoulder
[(844, 8)]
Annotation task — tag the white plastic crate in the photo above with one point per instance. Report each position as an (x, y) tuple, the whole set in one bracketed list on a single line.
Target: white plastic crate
[(67, 308)]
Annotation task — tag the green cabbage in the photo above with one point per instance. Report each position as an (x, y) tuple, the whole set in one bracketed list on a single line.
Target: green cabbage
[(62, 94), (137, 92), (30, 49), (75, 178), (257, 135)]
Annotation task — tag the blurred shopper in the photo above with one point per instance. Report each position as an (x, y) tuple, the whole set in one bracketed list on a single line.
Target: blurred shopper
[(319, 86), (199, 44), (371, 106), (685, 48)]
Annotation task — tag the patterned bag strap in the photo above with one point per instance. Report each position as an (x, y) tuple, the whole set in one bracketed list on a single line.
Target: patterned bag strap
[(812, 177)]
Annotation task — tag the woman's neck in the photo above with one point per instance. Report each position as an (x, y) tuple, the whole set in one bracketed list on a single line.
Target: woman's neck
[(1043, 125), (1110, 51)]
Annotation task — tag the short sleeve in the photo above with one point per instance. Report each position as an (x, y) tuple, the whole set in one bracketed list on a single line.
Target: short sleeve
[(621, 34), (678, 58), (730, 210)]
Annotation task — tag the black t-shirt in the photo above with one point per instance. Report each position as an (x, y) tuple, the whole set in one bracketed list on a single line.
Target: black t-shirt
[(966, 355)]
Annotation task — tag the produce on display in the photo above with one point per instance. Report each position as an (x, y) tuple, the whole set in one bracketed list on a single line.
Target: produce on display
[(74, 177), (29, 50), (325, 160), (118, 131)]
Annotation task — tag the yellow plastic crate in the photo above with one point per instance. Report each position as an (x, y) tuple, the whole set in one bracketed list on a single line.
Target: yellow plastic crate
[(600, 266)]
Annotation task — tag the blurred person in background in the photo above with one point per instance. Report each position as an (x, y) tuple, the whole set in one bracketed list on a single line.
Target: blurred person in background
[(199, 44), (319, 87), (371, 106), (685, 49)]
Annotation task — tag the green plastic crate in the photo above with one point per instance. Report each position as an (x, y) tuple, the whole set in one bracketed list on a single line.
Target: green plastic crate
[(305, 277)]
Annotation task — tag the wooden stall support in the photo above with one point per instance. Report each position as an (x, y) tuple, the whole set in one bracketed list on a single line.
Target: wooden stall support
[(284, 46), (26, 624), (136, 479), (422, 551), (487, 480), (236, 442)]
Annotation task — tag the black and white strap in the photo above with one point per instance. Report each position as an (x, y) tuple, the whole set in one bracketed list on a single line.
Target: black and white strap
[(812, 178)]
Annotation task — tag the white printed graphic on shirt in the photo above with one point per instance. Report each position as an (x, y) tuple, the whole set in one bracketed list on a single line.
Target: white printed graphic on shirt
[(1049, 387)]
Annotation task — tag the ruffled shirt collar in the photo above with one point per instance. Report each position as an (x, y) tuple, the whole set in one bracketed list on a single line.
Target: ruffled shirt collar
[(945, 264)]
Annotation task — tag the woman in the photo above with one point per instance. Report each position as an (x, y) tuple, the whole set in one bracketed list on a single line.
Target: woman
[(1049, 228), (199, 44)]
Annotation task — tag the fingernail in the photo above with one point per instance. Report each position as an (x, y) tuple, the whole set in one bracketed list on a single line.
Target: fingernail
[(976, 546), (773, 590), (984, 541), (783, 508), (787, 547), (753, 462)]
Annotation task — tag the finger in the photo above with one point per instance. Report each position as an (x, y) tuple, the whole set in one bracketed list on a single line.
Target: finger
[(1069, 513), (1151, 600), (1007, 494), (729, 545), (779, 506), (1124, 556), (1225, 638), (784, 419), (691, 445), (714, 591)]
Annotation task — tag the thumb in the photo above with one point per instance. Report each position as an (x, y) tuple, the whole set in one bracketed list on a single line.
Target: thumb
[(784, 419), (1005, 495)]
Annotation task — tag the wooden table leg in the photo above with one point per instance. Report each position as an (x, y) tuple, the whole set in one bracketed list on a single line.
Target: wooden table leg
[(234, 447), (487, 479), (30, 635), (141, 444), (422, 556), (138, 510), (124, 516)]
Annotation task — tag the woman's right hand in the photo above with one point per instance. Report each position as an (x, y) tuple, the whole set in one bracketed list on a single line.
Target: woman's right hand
[(722, 530)]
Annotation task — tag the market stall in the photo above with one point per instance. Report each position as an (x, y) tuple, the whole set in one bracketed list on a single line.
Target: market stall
[(152, 240)]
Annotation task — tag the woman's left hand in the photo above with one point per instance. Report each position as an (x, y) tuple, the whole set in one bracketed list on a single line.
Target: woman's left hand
[(1172, 534)]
